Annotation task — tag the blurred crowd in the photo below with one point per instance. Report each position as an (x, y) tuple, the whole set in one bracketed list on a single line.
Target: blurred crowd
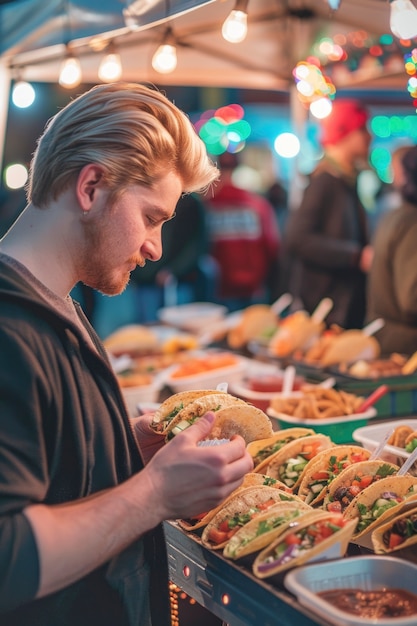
[(237, 246)]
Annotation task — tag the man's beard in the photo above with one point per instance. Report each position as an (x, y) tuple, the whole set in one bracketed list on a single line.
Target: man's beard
[(93, 268)]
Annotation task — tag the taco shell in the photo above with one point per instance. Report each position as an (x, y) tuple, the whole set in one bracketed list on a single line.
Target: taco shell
[(323, 535), (379, 502), (353, 479), (399, 533), (295, 455), (262, 449), (324, 467), (251, 479), (266, 527), (242, 508), (172, 406)]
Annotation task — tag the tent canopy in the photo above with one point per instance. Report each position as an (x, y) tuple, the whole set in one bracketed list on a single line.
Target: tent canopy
[(34, 34)]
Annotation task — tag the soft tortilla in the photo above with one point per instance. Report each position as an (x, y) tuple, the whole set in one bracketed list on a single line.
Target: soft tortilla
[(175, 403), (261, 449), (251, 479), (241, 504), (403, 486), (291, 450), (264, 565), (381, 535), (266, 527), (376, 468), (331, 461)]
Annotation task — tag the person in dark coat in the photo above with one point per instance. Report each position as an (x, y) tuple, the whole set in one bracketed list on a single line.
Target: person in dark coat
[(327, 235), (84, 489), (392, 287)]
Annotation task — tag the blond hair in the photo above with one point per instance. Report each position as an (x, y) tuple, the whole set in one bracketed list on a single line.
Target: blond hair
[(133, 131)]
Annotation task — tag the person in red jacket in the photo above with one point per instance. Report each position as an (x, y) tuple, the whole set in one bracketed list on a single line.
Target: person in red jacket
[(244, 240)]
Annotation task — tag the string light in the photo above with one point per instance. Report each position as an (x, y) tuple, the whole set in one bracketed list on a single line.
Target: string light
[(235, 26), (403, 19), (23, 94), (110, 69), (164, 60), (70, 74)]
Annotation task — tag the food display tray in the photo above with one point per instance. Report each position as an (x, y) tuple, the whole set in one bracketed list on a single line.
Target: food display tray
[(229, 591), (400, 401)]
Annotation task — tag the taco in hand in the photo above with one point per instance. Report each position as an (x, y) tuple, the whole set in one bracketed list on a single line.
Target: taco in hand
[(354, 479), (323, 469), (379, 502), (305, 540), (233, 415), (238, 511), (263, 529), (399, 533)]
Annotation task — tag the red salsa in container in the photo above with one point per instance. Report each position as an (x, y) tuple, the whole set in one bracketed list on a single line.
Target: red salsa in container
[(271, 383)]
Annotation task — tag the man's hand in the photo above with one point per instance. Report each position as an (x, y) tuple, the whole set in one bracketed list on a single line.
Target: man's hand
[(189, 479)]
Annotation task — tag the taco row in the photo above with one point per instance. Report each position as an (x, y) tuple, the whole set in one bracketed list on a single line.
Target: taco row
[(308, 495)]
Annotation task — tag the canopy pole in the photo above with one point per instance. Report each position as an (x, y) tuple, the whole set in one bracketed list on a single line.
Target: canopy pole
[(5, 81)]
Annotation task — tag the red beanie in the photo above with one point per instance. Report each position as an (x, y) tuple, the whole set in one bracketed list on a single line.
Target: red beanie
[(346, 116)]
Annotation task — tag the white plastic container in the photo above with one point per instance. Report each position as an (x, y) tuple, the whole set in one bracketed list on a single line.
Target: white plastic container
[(359, 572), (371, 436)]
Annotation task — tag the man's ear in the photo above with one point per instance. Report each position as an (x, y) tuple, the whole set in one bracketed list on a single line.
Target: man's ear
[(88, 182)]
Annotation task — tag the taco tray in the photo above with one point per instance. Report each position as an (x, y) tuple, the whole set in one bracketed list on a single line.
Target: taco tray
[(230, 591), (370, 436), (400, 401)]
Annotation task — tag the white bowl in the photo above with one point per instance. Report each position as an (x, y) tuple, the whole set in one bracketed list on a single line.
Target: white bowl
[(206, 380), (194, 317), (145, 394), (339, 429), (358, 572), (371, 436)]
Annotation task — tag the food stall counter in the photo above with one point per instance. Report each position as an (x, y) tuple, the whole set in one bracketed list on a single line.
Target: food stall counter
[(229, 591)]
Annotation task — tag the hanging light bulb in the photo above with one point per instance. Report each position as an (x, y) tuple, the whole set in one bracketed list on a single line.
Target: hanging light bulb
[(70, 74), (403, 19), (164, 60), (235, 26), (111, 66), (23, 94)]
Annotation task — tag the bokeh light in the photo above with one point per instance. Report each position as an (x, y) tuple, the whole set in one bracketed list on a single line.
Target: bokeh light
[(15, 176), (287, 145)]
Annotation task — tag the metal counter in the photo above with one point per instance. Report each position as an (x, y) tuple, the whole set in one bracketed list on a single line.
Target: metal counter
[(230, 591)]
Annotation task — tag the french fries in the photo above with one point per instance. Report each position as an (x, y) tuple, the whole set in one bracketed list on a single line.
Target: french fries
[(318, 403)]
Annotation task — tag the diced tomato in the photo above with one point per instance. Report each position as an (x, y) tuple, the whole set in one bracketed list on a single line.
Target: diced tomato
[(217, 536), (310, 450), (326, 531), (395, 540), (335, 507), (322, 475), (224, 526), (265, 505), (354, 490), (365, 481), (358, 456), (292, 538)]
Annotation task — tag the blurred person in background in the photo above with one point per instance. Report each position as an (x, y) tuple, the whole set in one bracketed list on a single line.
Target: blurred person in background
[(84, 488), (184, 273), (392, 286), (327, 235), (244, 240)]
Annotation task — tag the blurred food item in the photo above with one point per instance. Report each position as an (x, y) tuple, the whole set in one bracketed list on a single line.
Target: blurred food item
[(315, 352), (376, 368), (131, 339), (318, 403), (271, 382), (297, 331), (257, 322), (349, 346), (411, 365), (134, 379), (198, 365)]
